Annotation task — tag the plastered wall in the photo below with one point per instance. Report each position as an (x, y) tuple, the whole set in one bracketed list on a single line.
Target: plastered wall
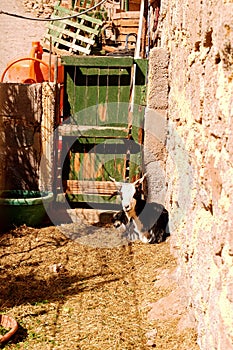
[(27, 114)]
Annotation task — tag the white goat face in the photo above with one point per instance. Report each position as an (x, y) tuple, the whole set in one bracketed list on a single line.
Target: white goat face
[(128, 192)]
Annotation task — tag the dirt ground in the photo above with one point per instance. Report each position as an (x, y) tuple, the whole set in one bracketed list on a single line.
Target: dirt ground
[(67, 294)]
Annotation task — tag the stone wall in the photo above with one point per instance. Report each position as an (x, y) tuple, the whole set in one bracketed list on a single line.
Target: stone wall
[(156, 125), (40, 8), (199, 157)]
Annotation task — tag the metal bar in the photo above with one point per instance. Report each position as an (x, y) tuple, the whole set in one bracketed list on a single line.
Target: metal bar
[(55, 69), (138, 44), (50, 58)]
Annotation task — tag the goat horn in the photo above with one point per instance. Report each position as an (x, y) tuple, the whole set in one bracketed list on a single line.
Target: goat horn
[(139, 181), (118, 184), (112, 179)]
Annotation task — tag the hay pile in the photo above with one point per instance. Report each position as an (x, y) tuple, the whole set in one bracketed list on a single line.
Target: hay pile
[(69, 295)]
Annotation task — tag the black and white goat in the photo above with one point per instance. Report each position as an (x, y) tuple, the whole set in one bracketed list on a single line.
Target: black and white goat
[(147, 222)]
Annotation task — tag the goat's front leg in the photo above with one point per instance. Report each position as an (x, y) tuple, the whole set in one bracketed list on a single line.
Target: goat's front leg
[(143, 235), (146, 237), (154, 235)]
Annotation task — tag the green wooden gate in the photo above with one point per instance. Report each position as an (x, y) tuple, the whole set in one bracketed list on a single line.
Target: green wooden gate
[(102, 134)]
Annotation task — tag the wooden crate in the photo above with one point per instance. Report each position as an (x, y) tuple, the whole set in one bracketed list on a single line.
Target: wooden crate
[(128, 19), (75, 35), (134, 5), (126, 23)]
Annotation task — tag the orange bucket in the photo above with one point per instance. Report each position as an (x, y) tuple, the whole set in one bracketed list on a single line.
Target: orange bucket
[(34, 68)]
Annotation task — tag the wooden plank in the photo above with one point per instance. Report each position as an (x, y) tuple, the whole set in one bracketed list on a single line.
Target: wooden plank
[(141, 81), (134, 5), (135, 168), (112, 91), (90, 198), (58, 28), (95, 61), (78, 31), (103, 88), (91, 19), (71, 45), (65, 12), (93, 131), (126, 23), (89, 160), (128, 14), (56, 50), (49, 100), (106, 188), (61, 26), (128, 30), (80, 26), (92, 36), (72, 35), (75, 81), (104, 71)]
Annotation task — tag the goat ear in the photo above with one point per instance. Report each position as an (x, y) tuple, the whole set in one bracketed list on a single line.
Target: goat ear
[(139, 181)]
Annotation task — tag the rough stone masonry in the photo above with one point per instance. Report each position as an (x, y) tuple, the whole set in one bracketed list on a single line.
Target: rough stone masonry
[(197, 155)]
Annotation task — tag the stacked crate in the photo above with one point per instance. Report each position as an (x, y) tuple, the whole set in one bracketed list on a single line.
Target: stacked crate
[(76, 35), (126, 23)]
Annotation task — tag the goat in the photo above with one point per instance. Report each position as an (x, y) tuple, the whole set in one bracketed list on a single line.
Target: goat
[(149, 220)]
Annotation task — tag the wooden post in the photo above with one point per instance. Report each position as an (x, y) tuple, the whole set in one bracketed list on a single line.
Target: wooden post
[(47, 134)]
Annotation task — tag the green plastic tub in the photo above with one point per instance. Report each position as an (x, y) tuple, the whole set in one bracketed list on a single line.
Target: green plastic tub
[(23, 207)]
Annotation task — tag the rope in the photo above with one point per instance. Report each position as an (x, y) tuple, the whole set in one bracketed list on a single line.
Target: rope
[(52, 19)]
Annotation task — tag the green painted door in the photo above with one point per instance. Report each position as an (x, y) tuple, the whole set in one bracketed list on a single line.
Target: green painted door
[(102, 135)]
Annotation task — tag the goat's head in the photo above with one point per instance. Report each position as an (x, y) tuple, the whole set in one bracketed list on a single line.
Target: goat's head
[(130, 193)]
